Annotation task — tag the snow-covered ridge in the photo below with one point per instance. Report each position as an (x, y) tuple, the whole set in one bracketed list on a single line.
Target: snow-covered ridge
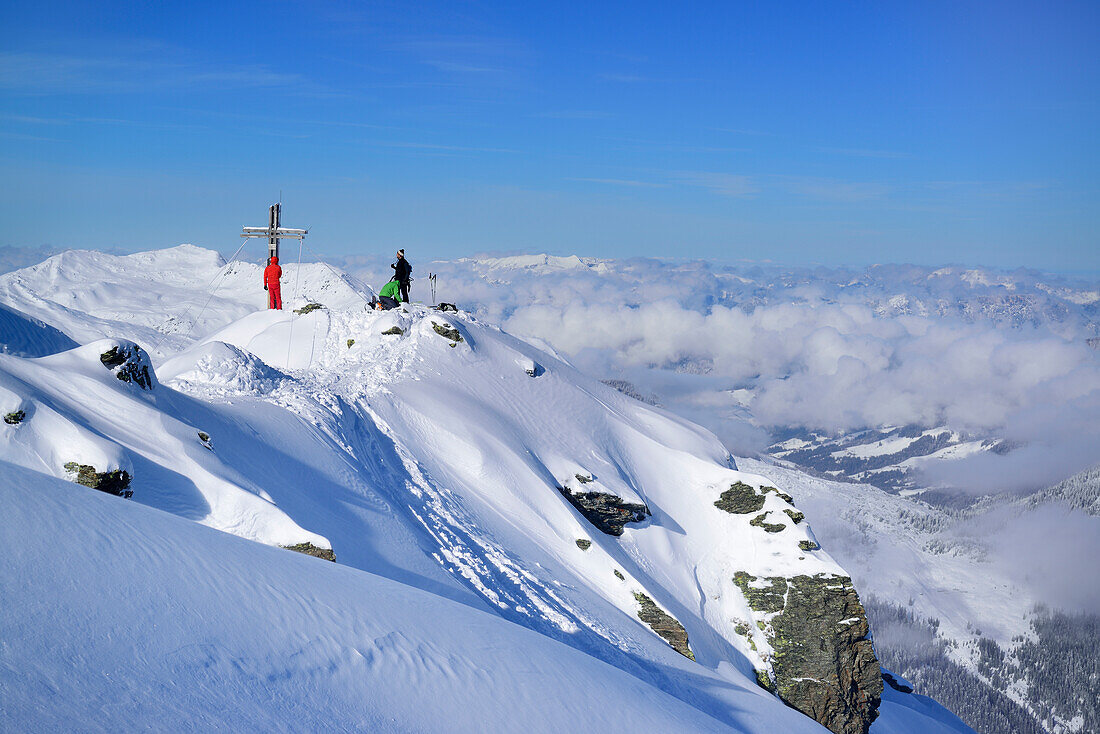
[(445, 454), (163, 299), (540, 263), (79, 410), (891, 457)]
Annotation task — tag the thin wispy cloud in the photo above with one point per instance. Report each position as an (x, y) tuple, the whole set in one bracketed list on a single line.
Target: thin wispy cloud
[(459, 68), (865, 152), (24, 136), (268, 117), (726, 184), (834, 190), (450, 45), (740, 131), (246, 76), (344, 123), (47, 73), (29, 120), (67, 120), (42, 73), (575, 115), (473, 56), (625, 78), (413, 145), (671, 146), (996, 190), (621, 182)]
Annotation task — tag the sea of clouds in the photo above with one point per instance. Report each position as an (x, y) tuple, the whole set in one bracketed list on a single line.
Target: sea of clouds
[(745, 349)]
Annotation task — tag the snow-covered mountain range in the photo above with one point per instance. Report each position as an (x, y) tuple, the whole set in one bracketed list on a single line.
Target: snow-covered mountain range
[(890, 457), (519, 546)]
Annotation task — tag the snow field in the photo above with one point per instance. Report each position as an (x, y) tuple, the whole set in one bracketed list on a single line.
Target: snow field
[(429, 459), (274, 641)]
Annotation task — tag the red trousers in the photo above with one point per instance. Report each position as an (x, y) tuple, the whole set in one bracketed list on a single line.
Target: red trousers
[(274, 297)]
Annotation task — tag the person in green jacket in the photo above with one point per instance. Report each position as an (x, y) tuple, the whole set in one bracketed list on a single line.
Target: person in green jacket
[(389, 297)]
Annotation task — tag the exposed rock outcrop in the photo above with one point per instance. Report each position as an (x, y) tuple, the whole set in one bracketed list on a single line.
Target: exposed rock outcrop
[(447, 331), (115, 482), (664, 624), (740, 499), (130, 364), (761, 521), (781, 495), (393, 331), (584, 543), (310, 549), (764, 595), (823, 663), (895, 683), (308, 308), (608, 513), (795, 515), (15, 417)]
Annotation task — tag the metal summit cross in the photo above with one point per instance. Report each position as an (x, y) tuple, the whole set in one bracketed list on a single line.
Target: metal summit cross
[(273, 232)]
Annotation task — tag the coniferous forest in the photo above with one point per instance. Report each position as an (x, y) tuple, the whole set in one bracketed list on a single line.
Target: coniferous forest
[(1056, 664)]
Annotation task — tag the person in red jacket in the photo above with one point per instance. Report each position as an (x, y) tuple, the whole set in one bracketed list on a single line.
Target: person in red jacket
[(272, 273)]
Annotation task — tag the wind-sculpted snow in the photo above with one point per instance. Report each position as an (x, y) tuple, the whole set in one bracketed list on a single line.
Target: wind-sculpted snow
[(483, 450), (26, 337), (180, 628), (163, 300), (436, 461), (217, 366), (78, 413)]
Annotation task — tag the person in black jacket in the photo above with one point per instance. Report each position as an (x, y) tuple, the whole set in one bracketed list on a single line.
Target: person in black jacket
[(401, 273)]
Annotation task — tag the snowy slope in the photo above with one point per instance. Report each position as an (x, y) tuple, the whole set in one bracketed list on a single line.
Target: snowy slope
[(160, 299), (898, 549), (77, 411), (984, 576), (983, 568), (29, 337), (486, 445), (433, 455), (118, 617)]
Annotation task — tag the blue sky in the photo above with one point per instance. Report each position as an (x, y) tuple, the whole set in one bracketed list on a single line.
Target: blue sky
[(839, 133)]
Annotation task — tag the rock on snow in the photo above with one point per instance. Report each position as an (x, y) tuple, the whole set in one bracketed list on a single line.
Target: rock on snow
[(432, 468)]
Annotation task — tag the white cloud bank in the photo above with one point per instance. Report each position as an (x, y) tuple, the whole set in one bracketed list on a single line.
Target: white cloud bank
[(984, 352)]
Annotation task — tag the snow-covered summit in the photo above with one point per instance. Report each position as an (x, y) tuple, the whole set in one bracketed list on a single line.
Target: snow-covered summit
[(444, 454), (162, 299)]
